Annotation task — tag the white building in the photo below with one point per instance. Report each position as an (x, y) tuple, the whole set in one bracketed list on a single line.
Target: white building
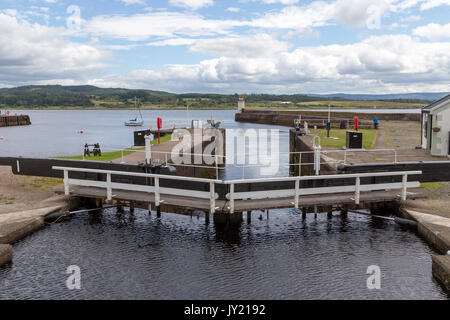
[(436, 127)]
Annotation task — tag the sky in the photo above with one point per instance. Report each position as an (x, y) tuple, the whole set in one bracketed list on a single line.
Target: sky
[(228, 46)]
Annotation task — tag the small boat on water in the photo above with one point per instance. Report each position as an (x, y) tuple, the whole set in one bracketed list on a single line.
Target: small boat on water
[(135, 122)]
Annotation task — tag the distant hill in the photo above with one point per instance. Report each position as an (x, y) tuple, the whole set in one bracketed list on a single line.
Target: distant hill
[(90, 96), (77, 96), (423, 96)]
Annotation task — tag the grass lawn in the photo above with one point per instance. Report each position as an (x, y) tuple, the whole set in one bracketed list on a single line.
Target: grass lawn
[(369, 137), (431, 185), (109, 156)]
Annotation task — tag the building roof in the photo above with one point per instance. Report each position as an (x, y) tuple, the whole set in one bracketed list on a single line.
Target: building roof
[(437, 103)]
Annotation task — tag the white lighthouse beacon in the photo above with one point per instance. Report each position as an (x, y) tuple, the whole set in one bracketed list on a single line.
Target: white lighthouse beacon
[(241, 105)]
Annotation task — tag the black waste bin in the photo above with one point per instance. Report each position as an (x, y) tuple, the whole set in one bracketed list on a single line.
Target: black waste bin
[(354, 140), (139, 137)]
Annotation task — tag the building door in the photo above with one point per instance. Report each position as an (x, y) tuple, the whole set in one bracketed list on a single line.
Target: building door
[(430, 131)]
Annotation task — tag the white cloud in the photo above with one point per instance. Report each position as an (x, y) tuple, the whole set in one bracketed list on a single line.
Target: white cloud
[(172, 42), (433, 31), (33, 52), (192, 4), (281, 1), (377, 64), (258, 45), (318, 13), (166, 24), (433, 4), (129, 2), (157, 24), (233, 9), (424, 4)]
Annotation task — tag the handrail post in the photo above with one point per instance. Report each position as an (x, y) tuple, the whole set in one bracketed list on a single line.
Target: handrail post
[(108, 187), (122, 157), (297, 185), (300, 164), (66, 183), (157, 194), (212, 197), (217, 167), (404, 189), (232, 198), (357, 189)]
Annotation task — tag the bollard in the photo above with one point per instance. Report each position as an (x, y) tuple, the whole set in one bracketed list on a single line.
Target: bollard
[(119, 207), (158, 211)]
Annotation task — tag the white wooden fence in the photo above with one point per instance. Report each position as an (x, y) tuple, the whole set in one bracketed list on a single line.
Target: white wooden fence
[(232, 196)]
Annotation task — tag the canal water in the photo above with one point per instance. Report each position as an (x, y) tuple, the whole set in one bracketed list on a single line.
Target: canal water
[(140, 256)]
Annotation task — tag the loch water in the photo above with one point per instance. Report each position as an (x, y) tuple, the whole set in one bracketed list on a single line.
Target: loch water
[(140, 256)]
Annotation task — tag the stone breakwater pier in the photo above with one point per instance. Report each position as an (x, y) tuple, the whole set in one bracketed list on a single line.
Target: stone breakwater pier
[(15, 120)]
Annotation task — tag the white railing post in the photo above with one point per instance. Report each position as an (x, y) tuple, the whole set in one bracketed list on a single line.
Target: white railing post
[(317, 161), (157, 194), (122, 157), (232, 198), (108, 187), (345, 156), (357, 189), (212, 197), (148, 149), (404, 189), (317, 150), (395, 156), (217, 167), (300, 164), (297, 185), (66, 183)]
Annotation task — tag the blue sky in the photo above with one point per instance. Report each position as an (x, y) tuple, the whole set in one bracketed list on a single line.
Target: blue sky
[(244, 46)]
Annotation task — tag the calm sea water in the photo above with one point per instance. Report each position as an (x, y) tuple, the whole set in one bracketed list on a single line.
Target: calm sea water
[(179, 257)]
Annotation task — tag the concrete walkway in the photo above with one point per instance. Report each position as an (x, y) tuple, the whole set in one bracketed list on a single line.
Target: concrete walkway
[(435, 229), (15, 226)]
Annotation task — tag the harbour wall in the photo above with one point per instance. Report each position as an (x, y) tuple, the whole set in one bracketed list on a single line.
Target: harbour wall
[(318, 118), (16, 120)]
